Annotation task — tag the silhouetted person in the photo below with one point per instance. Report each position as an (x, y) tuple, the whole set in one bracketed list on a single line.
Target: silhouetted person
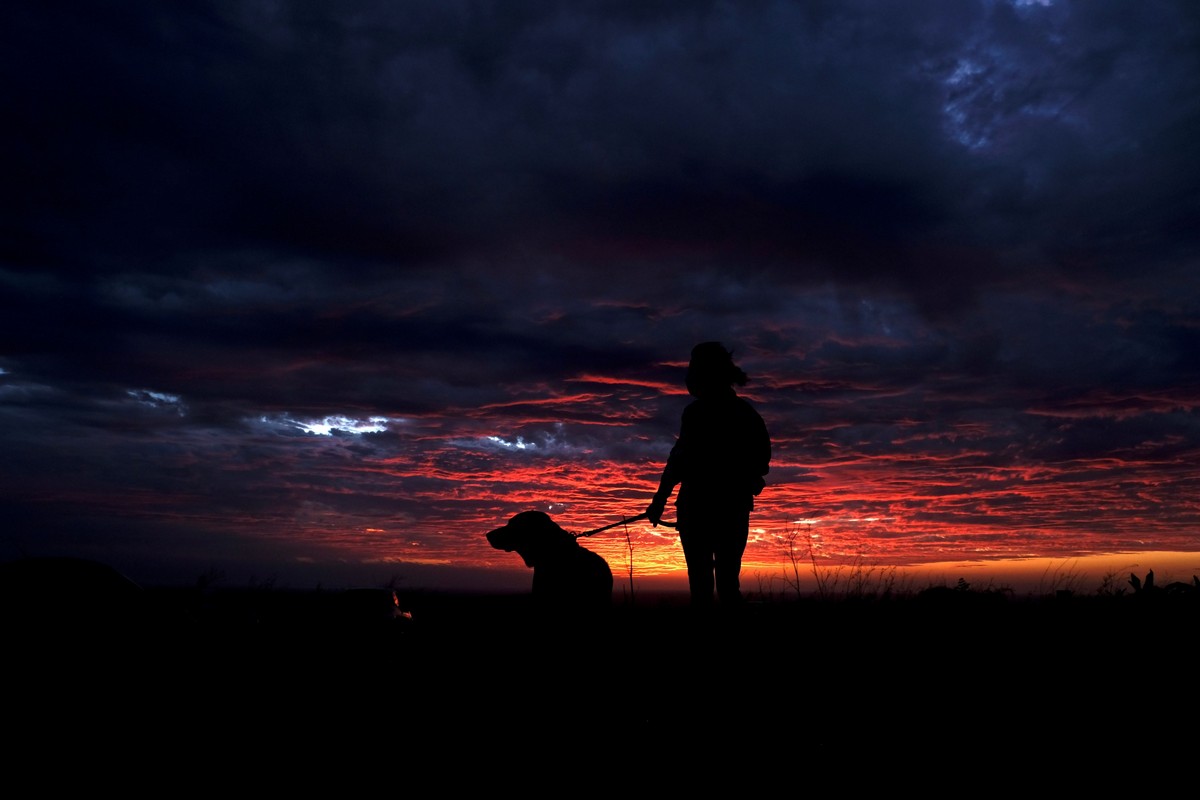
[(567, 578), (719, 460)]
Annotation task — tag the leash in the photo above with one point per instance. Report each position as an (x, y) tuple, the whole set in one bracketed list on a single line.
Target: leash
[(625, 521)]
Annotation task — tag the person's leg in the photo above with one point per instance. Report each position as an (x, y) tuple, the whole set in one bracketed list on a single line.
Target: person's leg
[(729, 548), (698, 553)]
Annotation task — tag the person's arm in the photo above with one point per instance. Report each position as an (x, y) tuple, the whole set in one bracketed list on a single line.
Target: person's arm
[(666, 485), (760, 454), (672, 474)]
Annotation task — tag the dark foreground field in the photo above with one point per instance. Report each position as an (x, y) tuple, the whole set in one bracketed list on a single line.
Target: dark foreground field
[(905, 688)]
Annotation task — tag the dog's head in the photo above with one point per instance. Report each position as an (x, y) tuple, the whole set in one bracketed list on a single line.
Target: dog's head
[(532, 535)]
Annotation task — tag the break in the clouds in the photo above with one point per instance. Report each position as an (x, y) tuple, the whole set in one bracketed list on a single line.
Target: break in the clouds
[(354, 281)]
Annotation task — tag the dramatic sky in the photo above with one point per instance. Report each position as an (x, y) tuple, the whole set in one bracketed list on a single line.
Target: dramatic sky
[(324, 284)]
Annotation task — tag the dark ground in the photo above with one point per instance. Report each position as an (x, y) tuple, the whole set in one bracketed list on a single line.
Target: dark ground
[(475, 685)]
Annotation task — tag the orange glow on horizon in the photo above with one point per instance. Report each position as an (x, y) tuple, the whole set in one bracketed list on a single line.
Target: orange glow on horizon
[(925, 513)]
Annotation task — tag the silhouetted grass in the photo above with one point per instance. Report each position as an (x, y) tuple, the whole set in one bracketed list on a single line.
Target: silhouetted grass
[(865, 673)]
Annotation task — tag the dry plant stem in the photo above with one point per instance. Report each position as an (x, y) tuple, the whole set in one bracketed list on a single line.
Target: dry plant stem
[(794, 559), (856, 579), (822, 580), (1060, 578)]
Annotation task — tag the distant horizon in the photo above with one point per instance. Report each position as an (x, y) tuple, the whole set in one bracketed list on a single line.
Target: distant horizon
[(263, 558), (1029, 576)]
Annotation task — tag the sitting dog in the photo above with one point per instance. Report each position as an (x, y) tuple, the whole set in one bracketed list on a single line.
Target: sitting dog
[(566, 577)]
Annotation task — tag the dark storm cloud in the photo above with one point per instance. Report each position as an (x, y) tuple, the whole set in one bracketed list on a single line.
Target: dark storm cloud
[(862, 145)]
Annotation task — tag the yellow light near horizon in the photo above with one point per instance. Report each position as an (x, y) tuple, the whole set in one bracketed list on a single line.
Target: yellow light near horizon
[(1082, 574)]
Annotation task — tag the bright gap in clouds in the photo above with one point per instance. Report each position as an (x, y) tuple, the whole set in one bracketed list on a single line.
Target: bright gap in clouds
[(327, 426), (151, 398), (156, 400), (517, 444)]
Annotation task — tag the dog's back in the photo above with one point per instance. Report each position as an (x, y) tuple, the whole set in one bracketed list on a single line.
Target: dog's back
[(574, 577)]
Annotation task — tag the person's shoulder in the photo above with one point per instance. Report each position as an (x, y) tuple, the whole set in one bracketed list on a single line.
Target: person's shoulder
[(749, 413), (745, 405)]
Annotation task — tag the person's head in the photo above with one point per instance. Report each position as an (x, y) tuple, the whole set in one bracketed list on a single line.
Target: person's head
[(711, 369)]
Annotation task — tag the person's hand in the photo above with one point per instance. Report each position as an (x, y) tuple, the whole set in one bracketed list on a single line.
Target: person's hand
[(655, 510)]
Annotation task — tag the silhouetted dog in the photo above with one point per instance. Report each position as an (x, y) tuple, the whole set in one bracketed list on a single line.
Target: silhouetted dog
[(566, 576)]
